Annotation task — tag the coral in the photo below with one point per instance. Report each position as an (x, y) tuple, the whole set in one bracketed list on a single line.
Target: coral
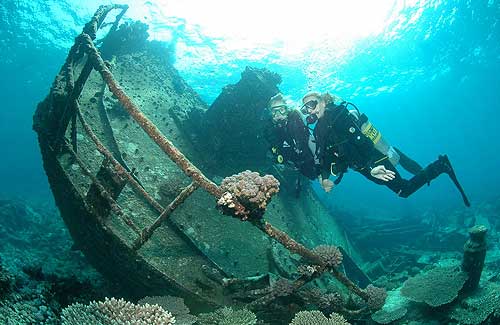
[(316, 317), (306, 270), (6, 280), (228, 316), (389, 316), (115, 312), (330, 300), (436, 287), (477, 307), (250, 189), (330, 255), (282, 288), (174, 305), (130, 37), (17, 313), (376, 297)]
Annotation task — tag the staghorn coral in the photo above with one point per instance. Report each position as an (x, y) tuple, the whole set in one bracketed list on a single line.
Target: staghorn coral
[(376, 297), (436, 287), (228, 316), (174, 305), (115, 312), (316, 317), (250, 189), (330, 255)]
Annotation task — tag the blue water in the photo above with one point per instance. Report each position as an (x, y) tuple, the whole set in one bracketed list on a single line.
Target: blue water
[(428, 79)]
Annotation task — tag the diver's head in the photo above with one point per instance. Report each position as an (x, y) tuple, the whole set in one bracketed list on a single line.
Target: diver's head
[(314, 105), (278, 108)]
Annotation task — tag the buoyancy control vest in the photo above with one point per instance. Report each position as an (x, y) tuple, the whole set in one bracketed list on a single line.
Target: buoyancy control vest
[(290, 143), (341, 143)]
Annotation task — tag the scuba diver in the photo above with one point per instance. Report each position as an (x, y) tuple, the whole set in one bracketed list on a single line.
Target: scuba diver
[(290, 139), (346, 139)]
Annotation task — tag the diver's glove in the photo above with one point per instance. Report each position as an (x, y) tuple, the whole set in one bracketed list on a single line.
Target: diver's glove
[(382, 173)]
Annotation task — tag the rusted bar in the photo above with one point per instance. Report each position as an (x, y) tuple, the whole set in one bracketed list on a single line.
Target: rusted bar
[(133, 182), (179, 199), (95, 22), (74, 90), (297, 284), (289, 243), (69, 108), (114, 206), (73, 133), (298, 248), (154, 133), (349, 284), (119, 168)]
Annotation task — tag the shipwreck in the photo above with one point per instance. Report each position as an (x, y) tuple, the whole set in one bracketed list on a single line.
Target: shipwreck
[(137, 163)]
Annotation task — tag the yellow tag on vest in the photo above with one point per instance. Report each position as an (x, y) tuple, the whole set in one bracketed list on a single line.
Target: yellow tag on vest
[(371, 132)]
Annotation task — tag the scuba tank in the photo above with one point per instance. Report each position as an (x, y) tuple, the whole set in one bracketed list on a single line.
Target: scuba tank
[(372, 133)]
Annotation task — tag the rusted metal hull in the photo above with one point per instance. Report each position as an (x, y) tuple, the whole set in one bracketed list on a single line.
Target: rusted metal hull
[(105, 251)]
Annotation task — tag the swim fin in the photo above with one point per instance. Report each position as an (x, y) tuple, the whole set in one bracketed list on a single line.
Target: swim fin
[(448, 169)]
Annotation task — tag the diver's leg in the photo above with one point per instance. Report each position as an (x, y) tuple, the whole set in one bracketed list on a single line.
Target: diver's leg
[(403, 187), (407, 163), (433, 170)]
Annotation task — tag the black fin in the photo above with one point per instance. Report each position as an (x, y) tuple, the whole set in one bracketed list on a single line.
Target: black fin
[(454, 178)]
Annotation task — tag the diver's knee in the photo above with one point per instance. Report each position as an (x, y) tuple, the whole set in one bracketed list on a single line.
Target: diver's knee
[(404, 194)]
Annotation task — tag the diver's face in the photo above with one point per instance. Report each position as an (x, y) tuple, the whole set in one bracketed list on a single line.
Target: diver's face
[(278, 113), (314, 106)]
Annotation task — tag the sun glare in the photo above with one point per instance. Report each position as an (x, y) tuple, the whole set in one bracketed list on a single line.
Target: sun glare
[(288, 27)]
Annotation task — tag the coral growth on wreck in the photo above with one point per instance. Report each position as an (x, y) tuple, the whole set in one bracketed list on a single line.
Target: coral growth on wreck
[(250, 189)]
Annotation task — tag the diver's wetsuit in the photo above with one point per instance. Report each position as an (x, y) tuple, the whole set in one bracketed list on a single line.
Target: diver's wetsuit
[(342, 145), (290, 141)]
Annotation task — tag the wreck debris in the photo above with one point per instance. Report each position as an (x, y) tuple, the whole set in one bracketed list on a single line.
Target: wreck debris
[(474, 255), (148, 231), (103, 192)]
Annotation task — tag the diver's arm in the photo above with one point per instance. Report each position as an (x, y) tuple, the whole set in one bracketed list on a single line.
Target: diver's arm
[(326, 183)]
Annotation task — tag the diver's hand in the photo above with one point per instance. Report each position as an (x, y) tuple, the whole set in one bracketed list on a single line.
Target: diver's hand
[(327, 185), (382, 173)]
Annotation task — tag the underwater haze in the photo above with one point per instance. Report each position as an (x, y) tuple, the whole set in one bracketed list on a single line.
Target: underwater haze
[(425, 72)]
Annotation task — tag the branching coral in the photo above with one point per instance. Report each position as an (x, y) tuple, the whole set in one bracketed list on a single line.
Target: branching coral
[(376, 297), (317, 318), (174, 305), (228, 316), (330, 301), (250, 189), (115, 312), (330, 255)]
